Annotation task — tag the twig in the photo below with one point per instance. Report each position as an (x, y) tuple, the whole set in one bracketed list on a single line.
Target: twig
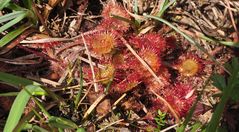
[(45, 40), (64, 20), (84, 84)]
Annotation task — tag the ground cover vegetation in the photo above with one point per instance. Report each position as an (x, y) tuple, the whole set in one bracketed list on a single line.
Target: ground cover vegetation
[(119, 65)]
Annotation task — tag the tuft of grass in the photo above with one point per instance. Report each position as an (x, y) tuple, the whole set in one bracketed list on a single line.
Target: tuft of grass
[(17, 15), (13, 34), (29, 89), (18, 107), (22, 98)]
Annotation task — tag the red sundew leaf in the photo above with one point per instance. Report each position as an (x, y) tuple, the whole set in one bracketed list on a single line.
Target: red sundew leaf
[(131, 81), (151, 58), (157, 104), (152, 84), (132, 63), (177, 98), (88, 73), (190, 65), (50, 44), (151, 41), (102, 42), (109, 22), (118, 61), (119, 75)]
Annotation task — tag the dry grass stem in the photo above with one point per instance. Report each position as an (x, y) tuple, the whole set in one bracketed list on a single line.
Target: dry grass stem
[(92, 107), (91, 65), (231, 16), (80, 102), (142, 61), (118, 100), (48, 40), (45, 81), (113, 106)]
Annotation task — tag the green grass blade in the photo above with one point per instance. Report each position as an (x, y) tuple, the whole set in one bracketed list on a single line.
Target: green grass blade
[(212, 127), (28, 4), (10, 16), (80, 129), (15, 7), (8, 94), (122, 19), (108, 86), (135, 24), (37, 102), (23, 122), (33, 128), (37, 93), (179, 31), (18, 107), (77, 100), (63, 123), (196, 126), (36, 128), (19, 81), (21, 99), (13, 22), (15, 80), (3, 3), (13, 34), (227, 43)]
